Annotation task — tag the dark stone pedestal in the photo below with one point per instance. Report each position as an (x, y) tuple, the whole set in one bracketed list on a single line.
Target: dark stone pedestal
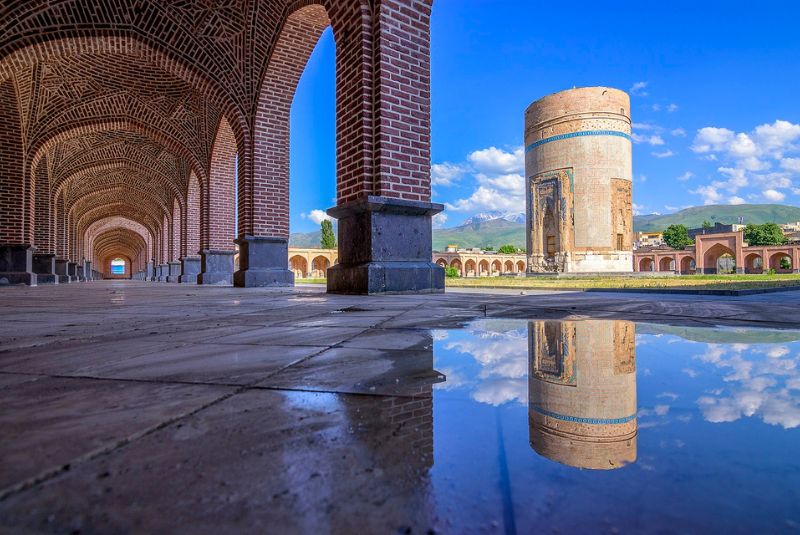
[(149, 274), (72, 271), (44, 265), (173, 271), (216, 267), (263, 262), (79, 272), (16, 264), (190, 269), (162, 271), (62, 271), (385, 247)]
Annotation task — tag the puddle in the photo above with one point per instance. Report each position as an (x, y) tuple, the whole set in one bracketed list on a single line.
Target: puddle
[(612, 426)]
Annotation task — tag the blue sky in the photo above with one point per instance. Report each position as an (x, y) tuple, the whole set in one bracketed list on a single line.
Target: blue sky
[(715, 90)]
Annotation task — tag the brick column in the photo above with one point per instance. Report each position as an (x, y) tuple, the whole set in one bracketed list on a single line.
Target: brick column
[(219, 212), (383, 151)]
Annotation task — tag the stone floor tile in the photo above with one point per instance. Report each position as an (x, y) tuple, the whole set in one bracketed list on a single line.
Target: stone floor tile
[(361, 371), (50, 422), (206, 363), (259, 462)]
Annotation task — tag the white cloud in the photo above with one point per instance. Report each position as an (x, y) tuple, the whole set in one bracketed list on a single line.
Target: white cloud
[(773, 195), (317, 216), (653, 140), (709, 193), (656, 107), (446, 174), (498, 179), (672, 108), (791, 164), (646, 127), (710, 139), (678, 132), (439, 220), (638, 89), (665, 154), (498, 161), (777, 137), (686, 176), (748, 161)]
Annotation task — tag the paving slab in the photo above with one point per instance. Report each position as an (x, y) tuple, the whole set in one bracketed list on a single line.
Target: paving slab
[(206, 363), (259, 462), (52, 422), (361, 371)]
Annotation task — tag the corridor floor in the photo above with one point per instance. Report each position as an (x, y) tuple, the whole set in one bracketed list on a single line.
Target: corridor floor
[(165, 408)]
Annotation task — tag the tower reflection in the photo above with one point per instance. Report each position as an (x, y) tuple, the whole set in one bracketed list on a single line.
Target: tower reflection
[(582, 392)]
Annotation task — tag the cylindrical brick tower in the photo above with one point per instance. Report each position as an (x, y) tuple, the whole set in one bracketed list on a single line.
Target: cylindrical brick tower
[(579, 182), (582, 392)]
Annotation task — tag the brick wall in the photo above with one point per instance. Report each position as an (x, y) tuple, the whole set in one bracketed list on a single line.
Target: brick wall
[(220, 199), (119, 122), (192, 226), (14, 225)]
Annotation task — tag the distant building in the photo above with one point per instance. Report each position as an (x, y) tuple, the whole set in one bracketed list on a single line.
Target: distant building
[(648, 239), (718, 228), (791, 231)]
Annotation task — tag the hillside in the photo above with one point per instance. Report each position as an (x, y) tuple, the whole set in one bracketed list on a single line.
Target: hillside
[(495, 233), (500, 231), (693, 217), (305, 240)]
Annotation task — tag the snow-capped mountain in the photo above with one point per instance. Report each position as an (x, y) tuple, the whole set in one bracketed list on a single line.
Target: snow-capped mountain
[(514, 217)]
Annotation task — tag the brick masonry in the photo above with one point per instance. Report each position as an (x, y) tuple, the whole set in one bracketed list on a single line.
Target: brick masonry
[(133, 114)]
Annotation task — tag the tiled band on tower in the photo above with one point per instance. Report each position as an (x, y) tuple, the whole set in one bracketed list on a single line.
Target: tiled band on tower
[(125, 127), (578, 182)]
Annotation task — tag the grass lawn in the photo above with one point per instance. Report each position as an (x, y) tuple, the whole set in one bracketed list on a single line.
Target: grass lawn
[(695, 282), (310, 281)]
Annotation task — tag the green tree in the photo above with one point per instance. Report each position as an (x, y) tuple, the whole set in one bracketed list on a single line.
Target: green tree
[(766, 234), (327, 239), (451, 272), (507, 249), (677, 237), (707, 224), (488, 248)]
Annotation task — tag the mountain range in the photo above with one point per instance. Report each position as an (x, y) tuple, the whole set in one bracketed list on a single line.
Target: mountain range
[(493, 229)]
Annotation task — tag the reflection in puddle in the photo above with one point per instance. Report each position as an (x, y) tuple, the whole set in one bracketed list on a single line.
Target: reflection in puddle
[(582, 392), (690, 430)]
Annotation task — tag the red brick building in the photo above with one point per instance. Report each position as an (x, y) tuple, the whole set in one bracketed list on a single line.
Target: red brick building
[(126, 123), (719, 253)]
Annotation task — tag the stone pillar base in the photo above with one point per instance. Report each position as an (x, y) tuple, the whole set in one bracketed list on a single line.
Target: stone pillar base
[(161, 272), (385, 247), (173, 271), (190, 268), (62, 271), (16, 264), (216, 267), (263, 262), (44, 265)]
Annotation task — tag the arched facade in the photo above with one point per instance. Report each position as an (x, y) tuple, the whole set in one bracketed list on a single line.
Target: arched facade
[(720, 253), (185, 132)]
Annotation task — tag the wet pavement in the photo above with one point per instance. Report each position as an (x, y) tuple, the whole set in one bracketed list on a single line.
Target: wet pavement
[(157, 408)]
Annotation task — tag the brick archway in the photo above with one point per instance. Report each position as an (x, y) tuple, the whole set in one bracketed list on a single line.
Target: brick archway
[(140, 110)]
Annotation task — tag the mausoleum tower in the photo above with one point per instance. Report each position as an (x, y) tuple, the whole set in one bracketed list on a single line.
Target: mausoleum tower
[(582, 392), (579, 182)]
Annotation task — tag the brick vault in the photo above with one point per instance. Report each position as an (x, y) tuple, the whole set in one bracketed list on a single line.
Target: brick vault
[(126, 124)]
